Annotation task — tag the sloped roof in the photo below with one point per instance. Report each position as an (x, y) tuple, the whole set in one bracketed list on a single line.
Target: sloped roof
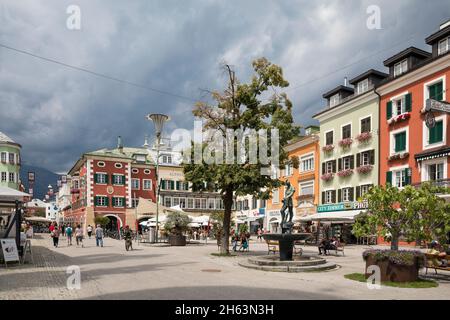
[(124, 153), (5, 139)]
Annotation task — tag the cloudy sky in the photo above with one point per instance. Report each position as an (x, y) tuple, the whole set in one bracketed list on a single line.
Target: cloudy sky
[(177, 46)]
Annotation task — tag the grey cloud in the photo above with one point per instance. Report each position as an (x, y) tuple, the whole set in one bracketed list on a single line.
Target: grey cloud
[(177, 46)]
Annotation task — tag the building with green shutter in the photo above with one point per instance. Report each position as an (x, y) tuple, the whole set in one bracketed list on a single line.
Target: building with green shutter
[(410, 151), (349, 144), (9, 162)]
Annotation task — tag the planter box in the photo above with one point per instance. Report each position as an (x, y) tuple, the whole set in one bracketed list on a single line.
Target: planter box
[(177, 240), (394, 272)]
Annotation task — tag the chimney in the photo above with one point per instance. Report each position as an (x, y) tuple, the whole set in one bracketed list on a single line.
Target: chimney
[(146, 142), (119, 143), (345, 82)]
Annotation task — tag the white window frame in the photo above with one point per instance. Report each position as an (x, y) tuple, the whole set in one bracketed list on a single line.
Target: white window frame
[(288, 170), (392, 140), (330, 194), (335, 100), (143, 184), (325, 137), (103, 197), (13, 175), (361, 186), (118, 205), (307, 157), (276, 199), (104, 174), (114, 175), (426, 133), (306, 184), (344, 166), (447, 45), (426, 92), (329, 162), (133, 187), (403, 65), (362, 86), (365, 117), (101, 164), (365, 163), (190, 201), (424, 174), (396, 169), (4, 177), (168, 198), (4, 157), (351, 129), (345, 194)]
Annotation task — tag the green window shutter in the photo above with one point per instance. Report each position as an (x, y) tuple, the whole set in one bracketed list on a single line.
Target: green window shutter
[(122, 180), (407, 178), (436, 133), (408, 102), (178, 185), (400, 141), (172, 185), (106, 178), (113, 178), (389, 177), (96, 201), (96, 178), (113, 201), (432, 91), (107, 201), (163, 184), (439, 91), (389, 110)]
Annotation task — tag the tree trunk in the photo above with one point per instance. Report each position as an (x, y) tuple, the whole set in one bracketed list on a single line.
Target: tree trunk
[(227, 203), (394, 241)]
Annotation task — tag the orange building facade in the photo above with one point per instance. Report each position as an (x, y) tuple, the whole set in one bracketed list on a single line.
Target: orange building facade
[(305, 180)]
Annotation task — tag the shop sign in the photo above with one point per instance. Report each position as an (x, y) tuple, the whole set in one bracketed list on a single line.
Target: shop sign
[(262, 211), (342, 206), (274, 213), (9, 249)]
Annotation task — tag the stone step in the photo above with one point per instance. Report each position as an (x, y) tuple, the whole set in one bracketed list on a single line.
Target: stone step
[(274, 261), (314, 268)]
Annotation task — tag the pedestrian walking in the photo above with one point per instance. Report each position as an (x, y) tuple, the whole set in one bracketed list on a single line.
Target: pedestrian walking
[(69, 233), (63, 230), (55, 236), (79, 236), (259, 234), (52, 227), (99, 235), (89, 231)]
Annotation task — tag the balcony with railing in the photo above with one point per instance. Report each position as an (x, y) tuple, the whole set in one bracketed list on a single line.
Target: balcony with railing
[(443, 183), (79, 204)]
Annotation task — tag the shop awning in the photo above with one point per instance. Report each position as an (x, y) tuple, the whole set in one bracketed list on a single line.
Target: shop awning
[(345, 216), (9, 194)]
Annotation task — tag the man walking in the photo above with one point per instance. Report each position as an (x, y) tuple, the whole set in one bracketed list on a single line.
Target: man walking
[(99, 235)]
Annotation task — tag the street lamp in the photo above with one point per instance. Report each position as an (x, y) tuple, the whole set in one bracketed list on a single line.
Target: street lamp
[(158, 120)]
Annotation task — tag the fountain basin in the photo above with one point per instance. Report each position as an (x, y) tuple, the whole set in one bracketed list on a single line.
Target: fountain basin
[(286, 242)]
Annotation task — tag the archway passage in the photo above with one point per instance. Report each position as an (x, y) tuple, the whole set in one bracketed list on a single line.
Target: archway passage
[(113, 224)]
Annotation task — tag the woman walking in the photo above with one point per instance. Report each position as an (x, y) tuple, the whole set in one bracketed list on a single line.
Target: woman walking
[(89, 231), (79, 236), (55, 236)]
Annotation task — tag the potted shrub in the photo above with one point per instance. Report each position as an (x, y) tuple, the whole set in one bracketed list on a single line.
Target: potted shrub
[(364, 169), (176, 224), (395, 265), (327, 176)]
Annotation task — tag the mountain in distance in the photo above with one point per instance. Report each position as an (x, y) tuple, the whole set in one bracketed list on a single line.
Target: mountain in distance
[(43, 177)]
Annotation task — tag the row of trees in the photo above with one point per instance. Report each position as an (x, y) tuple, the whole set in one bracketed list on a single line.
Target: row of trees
[(415, 213)]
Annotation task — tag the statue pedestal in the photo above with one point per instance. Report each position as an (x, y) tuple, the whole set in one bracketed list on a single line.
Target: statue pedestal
[(286, 242)]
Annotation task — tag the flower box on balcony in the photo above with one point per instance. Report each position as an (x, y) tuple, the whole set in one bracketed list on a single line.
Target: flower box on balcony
[(364, 137), (345, 143), (396, 156), (327, 176), (345, 173), (400, 117), (364, 169), (328, 148)]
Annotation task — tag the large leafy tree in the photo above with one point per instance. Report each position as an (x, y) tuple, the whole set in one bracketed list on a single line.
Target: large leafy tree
[(414, 213), (241, 106)]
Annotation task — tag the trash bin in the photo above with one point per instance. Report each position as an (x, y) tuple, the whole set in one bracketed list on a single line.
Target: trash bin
[(152, 235)]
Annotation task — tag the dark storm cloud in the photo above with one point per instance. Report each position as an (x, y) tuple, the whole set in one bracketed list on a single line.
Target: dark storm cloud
[(57, 113)]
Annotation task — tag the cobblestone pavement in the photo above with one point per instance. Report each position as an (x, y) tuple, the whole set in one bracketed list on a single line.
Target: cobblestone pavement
[(164, 272)]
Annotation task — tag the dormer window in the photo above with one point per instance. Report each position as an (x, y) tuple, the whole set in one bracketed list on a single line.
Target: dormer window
[(140, 157), (362, 86), (443, 46), (334, 100), (400, 68), (167, 159)]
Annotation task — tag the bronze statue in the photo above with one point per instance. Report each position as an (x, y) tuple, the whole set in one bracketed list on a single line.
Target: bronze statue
[(287, 204)]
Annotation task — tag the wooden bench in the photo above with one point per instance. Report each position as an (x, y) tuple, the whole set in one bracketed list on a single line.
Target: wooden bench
[(429, 257), (339, 248), (273, 246)]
